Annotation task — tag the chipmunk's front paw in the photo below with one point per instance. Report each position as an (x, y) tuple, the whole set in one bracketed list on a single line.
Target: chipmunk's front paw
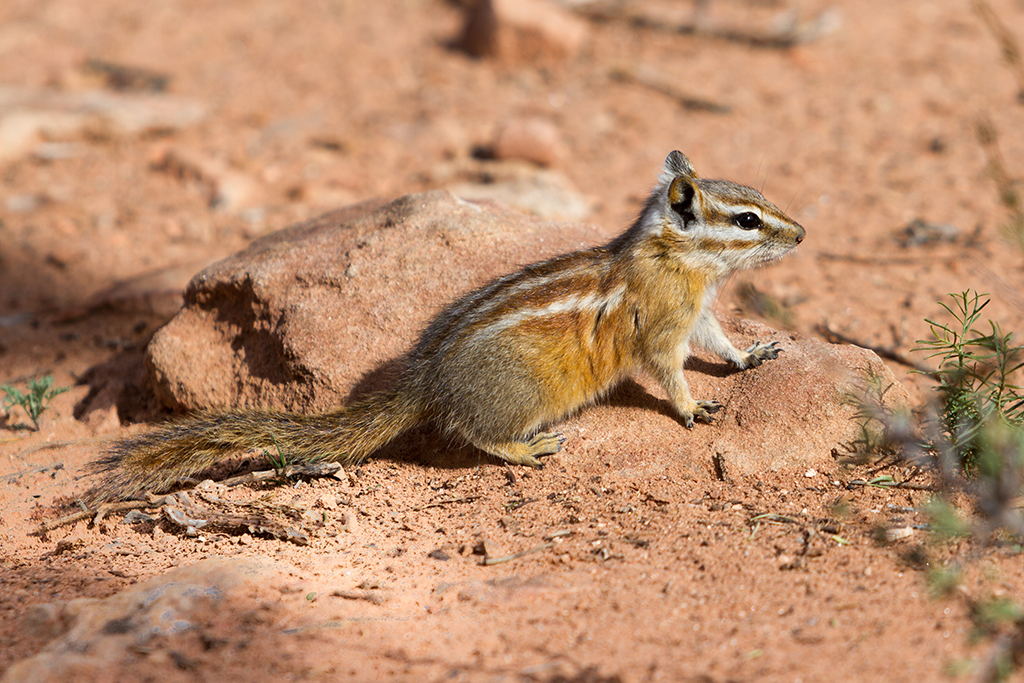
[(759, 353), (701, 413)]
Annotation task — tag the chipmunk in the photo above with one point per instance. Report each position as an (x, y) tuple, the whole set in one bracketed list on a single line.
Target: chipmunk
[(506, 361)]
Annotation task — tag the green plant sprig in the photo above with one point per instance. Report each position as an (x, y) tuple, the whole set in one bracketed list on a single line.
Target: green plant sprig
[(36, 400), (975, 373)]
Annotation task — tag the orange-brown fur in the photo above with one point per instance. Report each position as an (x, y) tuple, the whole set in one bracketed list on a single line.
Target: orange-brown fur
[(526, 350)]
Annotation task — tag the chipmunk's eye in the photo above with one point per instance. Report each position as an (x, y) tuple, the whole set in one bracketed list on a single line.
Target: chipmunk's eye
[(747, 221)]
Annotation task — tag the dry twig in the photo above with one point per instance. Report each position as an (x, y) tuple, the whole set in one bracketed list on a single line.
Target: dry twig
[(787, 33), (647, 76), (890, 485), (448, 501), (179, 509), (32, 470), (311, 470), (97, 514), (515, 556)]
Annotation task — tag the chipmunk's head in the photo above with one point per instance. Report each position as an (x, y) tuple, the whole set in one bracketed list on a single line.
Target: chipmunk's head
[(716, 221)]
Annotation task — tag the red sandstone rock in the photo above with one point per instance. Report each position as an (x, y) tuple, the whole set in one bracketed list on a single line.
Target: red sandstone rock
[(518, 31), (88, 636), (295, 320), (530, 139)]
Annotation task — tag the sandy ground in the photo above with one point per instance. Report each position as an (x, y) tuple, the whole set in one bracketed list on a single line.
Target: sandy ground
[(310, 106)]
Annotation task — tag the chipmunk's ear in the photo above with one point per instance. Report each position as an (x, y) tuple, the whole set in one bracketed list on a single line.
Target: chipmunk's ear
[(681, 199), (676, 164)]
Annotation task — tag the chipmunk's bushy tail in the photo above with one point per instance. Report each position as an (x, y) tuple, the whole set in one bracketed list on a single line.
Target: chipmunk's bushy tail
[(154, 461)]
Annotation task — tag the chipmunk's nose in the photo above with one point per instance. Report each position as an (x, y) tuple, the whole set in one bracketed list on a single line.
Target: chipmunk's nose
[(800, 234)]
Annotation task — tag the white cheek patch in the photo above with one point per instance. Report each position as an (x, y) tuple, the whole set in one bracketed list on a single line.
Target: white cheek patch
[(702, 261), (733, 233)]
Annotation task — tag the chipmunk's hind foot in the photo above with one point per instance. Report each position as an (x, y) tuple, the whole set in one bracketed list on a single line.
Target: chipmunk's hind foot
[(701, 413), (759, 353), (525, 452)]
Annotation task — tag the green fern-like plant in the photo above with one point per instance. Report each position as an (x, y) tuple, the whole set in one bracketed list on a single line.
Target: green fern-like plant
[(976, 374), (35, 400)]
